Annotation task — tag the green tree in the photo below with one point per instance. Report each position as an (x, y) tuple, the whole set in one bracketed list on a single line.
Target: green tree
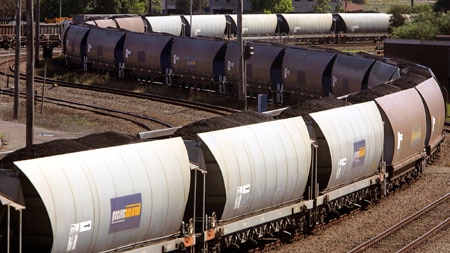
[(8, 11), (272, 6), (156, 7), (138, 7), (398, 15), (323, 6), (421, 22)]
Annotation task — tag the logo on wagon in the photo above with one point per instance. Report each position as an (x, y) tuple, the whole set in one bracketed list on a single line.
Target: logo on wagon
[(125, 212), (359, 153)]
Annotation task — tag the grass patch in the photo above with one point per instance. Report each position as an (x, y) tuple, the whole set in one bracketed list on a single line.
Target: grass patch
[(385, 5), (57, 69), (74, 121), (3, 138), (78, 120)]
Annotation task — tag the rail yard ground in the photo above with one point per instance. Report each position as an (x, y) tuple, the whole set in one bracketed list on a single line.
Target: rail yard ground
[(63, 123)]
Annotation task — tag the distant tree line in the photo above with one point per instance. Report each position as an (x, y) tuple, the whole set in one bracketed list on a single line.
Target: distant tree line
[(420, 21), (51, 8)]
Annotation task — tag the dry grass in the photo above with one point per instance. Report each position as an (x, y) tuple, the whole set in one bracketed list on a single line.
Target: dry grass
[(385, 5)]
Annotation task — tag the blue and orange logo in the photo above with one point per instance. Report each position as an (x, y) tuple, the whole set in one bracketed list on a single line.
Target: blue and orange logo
[(125, 212)]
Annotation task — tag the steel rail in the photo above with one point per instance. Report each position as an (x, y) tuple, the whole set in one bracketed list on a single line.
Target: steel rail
[(425, 237), (399, 225)]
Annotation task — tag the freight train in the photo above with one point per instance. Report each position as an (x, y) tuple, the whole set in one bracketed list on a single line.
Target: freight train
[(294, 28), (282, 72), (49, 35), (230, 188), (291, 27)]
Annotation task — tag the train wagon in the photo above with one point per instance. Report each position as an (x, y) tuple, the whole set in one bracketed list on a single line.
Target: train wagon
[(198, 62), (106, 198), (341, 162), (307, 73), (435, 110), (350, 74), (381, 73), (263, 69), (146, 56), (255, 24), (104, 49), (206, 25), (405, 133), (75, 49), (133, 24), (166, 24), (255, 167)]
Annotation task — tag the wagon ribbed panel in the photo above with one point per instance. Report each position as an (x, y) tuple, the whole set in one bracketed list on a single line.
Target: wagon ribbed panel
[(105, 198), (105, 23), (259, 66), (304, 69), (165, 24), (257, 24), (366, 22), (49, 29), (261, 165), (354, 135), (101, 45), (305, 23), (208, 25), (134, 24), (74, 45), (7, 29), (195, 57), (382, 72), (435, 109), (143, 51), (405, 125), (350, 74)]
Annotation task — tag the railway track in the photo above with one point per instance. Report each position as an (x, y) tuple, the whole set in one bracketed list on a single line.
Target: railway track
[(139, 120), (136, 119), (416, 229), (219, 110), (119, 114)]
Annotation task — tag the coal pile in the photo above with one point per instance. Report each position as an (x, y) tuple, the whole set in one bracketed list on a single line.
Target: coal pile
[(189, 132), (305, 108), (372, 93), (63, 146)]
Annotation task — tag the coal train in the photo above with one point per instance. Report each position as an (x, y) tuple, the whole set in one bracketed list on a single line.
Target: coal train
[(229, 188), (292, 27), (282, 72)]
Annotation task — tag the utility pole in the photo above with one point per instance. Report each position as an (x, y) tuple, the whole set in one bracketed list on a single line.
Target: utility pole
[(150, 7), (242, 94), (38, 17), (30, 74), (17, 61)]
